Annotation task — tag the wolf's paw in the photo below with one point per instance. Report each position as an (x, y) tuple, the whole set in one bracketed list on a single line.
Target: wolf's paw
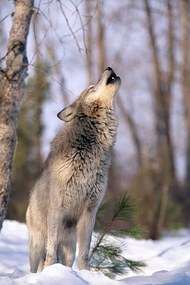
[(49, 260), (82, 264)]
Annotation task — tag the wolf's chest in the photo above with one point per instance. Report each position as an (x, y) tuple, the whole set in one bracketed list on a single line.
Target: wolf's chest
[(77, 197)]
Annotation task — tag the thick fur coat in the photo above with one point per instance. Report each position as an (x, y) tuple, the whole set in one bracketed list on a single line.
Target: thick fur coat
[(64, 202)]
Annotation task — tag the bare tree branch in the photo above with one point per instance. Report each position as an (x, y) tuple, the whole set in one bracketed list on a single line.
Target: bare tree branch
[(69, 26)]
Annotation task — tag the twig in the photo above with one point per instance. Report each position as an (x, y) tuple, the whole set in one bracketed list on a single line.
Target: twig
[(68, 25)]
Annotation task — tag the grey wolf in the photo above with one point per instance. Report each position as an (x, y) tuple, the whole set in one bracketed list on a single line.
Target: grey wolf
[(65, 199)]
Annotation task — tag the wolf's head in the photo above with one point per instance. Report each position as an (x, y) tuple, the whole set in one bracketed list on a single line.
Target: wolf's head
[(95, 98)]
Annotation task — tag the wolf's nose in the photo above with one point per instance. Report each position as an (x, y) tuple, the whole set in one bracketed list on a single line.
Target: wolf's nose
[(109, 68)]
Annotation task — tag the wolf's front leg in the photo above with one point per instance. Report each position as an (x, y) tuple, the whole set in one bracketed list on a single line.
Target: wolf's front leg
[(84, 234), (53, 224)]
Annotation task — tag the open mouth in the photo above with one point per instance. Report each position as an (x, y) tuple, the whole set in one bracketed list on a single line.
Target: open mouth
[(113, 77)]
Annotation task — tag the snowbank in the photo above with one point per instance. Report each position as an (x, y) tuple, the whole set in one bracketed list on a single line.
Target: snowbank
[(168, 262)]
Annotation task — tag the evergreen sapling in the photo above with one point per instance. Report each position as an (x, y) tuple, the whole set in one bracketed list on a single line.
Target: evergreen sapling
[(107, 256)]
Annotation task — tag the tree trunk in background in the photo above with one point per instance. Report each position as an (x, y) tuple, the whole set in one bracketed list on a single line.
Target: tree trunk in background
[(162, 93), (38, 100), (97, 40), (168, 84), (185, 20), (162, 100), (12, 82), (89, 43), (101, 37)]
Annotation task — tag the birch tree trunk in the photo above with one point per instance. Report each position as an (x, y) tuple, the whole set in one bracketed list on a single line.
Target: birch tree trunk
[(13, 87)]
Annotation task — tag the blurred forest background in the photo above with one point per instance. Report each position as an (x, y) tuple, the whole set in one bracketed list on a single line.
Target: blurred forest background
[(147, 43)]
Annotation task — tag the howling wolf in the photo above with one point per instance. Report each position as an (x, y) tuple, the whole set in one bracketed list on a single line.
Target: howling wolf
[(64, 202)]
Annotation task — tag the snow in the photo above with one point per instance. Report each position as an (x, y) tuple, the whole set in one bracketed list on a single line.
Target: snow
[(167, 260)]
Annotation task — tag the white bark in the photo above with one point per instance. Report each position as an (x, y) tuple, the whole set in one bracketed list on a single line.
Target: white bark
[(11, 94)]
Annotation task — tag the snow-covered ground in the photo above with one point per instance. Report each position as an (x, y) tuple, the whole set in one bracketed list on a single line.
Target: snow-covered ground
[(168, 261)]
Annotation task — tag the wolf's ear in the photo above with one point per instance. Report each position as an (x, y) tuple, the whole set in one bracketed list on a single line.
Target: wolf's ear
[(67, 114)]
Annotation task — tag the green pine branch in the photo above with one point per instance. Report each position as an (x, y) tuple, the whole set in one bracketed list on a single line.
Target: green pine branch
[(124, 208), (108, 257)]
